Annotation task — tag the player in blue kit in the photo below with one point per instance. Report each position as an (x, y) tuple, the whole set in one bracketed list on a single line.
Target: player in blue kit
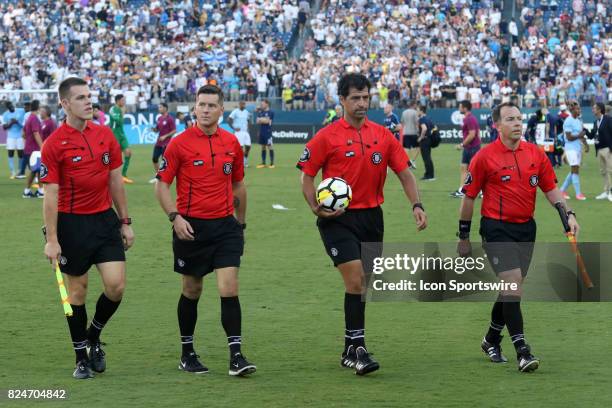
[(264, 119)]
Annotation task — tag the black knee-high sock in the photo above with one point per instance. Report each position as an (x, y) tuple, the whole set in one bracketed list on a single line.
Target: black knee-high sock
[(187, 317), (354, 319), (514, 320), (497, 321), (105, 308), (263, 156), (271, 157), (77, 323), (231, 319)]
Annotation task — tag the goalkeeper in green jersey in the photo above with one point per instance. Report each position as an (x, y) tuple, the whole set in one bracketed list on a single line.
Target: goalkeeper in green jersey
[(116, 124)]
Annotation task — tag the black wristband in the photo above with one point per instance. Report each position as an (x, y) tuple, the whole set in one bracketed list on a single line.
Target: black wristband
[(417, 205), (464, 229), (465, 226), (570, 212), (172, 216)]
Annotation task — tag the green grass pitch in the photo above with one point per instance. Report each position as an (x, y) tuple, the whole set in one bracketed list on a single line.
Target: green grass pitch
[(293, 323)]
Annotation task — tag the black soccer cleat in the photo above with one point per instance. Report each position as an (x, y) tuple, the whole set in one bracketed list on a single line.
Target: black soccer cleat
[(239, 366), (97, 359), (82, 370), (191, 364), (493, 351), (349, 357), (526, 361), (364, 363)]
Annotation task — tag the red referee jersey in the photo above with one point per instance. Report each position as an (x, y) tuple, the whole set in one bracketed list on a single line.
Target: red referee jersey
[(508, 180), (359, 156), (80, 163), (204, 167)]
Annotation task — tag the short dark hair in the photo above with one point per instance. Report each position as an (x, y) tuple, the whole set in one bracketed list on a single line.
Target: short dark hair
[(164, 104), (118, 97), (466, 104), (423, 108), (211, 90), (35, 105), (66, 84), (601, 107), (357, 81), (497, 110)]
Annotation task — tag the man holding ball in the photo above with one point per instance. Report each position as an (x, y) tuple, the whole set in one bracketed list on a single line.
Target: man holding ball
[(358, 151)]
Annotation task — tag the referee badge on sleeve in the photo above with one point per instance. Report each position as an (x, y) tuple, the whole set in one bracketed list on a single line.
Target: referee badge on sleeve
[(106, 158), (227, 168), (468, 179), (305, 155), (163, 163), (43, 171), (533, 180)]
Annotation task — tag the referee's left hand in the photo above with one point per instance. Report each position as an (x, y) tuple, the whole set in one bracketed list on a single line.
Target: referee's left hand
[(128, 236), (573, 224), (420, 218)]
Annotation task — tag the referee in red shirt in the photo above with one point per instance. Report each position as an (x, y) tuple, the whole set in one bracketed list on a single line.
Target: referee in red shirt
[(508, 171), (208, 222), (358, 151), (81, 169)]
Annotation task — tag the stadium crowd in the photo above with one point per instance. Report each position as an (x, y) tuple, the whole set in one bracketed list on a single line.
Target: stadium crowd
[(434, 52), (565, 53), (150, 53)]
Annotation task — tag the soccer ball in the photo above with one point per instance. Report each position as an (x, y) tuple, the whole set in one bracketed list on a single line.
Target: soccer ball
[(35, 161), (334, 193)]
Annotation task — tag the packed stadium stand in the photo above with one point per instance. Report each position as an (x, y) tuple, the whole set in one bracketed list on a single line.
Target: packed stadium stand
[(433, 52)]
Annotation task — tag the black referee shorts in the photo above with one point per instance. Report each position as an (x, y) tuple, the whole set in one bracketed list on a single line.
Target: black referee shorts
[(508, 245), (342, 236), (218, 243), (89, 239)]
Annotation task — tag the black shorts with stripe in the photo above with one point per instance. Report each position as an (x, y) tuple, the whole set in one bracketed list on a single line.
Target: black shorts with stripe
[(89, 239), (508, 245), (218, 243), (342, 236)]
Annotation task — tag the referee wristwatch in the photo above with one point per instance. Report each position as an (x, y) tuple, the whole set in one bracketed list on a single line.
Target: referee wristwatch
[(172, 215), (571, 212), (126, 221)]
